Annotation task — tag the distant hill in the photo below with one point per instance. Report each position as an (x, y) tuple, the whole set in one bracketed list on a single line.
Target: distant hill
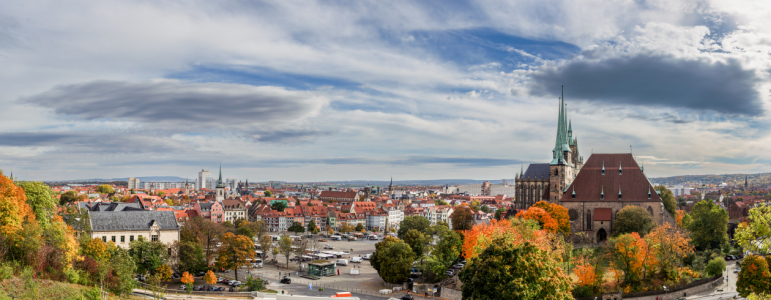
[(141, 179), (429, 182), (760, 179)]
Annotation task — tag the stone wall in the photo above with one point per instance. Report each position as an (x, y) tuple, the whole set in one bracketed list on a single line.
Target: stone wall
[(451, 294), (685, 290)]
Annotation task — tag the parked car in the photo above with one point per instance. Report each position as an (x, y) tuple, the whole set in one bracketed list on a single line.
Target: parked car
[(449, 273), (728, 257), (183, 287), (458, 266), (232, 289), (322, 240), (407, 297), (286, 280), (356, 259), (200, 274), (342, 262), (328, 246), (367, 256), (736, 271), (197, 287)]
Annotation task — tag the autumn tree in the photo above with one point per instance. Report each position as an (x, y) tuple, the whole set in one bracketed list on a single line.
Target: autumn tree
[(285, 247), (633, 218), (41, 199), (392, 259), (559, 213), (359, 227), (206, 232), (670, 245), (514, 271), (628, 254), (709, 227), (312, 227), (164, 272), (754, 235), (14, 210), (462, 218), (95, 249), (266, 244), (418, 223), (754, 277), (515, 230), (105, 189), (542, 217), (148, 255), (235, 252), (210, 278), (188, 280), (682, 218), (667, 198), (296, 228)]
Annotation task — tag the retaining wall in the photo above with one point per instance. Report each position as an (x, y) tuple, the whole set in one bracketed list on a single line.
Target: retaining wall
[(680, 291)]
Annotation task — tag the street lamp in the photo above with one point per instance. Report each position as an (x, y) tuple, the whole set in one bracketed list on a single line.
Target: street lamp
[(665, 291)]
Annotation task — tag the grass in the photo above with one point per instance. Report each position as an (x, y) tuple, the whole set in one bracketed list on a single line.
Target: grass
[(44, 289)]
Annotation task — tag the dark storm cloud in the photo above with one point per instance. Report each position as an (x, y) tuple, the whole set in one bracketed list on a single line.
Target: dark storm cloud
[(82, 142), (656, 80), (175, 104)]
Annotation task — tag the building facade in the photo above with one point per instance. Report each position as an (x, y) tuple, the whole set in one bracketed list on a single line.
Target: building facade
[(124, 227), (201, 182)]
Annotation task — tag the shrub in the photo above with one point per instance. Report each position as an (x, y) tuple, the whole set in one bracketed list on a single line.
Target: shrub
[(6, 271), (92, 293), (72, 275), (321, 289), (716, 266), (254, 284)]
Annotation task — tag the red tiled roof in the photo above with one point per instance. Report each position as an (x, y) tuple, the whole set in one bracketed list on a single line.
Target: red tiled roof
[(602, 214), (336, 194), (590, 182)]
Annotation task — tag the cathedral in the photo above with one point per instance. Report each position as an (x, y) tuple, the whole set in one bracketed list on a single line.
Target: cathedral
[(548, 181)]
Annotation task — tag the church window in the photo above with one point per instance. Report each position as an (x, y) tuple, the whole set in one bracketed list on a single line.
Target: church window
[(573, 214), (650, 210), (589, 220), (602, 196)]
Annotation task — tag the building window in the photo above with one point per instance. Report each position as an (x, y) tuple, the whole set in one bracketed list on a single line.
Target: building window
[(122, 238), (104, 239), (113, 239), (154, 238), (131, 238)]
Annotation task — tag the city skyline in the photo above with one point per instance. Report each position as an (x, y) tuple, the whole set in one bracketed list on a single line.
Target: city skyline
[(325, 91)]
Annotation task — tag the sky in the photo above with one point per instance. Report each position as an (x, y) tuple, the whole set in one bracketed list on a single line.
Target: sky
[(345, 90)]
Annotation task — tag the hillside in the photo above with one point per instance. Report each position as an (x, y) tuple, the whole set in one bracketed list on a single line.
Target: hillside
[(760, 179)]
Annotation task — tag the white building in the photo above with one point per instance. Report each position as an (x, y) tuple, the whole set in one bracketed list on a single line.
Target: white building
[(133, 183), (498, 189), (204, 180), (123, 227), (474, 189)]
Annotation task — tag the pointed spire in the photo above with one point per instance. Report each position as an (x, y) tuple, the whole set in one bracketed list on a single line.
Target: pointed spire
[(642, 168), (219, 182), (522, 171)]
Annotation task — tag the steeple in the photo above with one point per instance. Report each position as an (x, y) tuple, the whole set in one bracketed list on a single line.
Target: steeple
[(746, 185), (219, 182), (562, 142), (522, 171)]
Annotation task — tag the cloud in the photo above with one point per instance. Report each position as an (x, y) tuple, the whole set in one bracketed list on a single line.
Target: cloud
[(722, 87), (92, 143), (178, 105)]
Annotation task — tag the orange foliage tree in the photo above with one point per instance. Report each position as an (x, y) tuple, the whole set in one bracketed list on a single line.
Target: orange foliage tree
[(515, 231), (585, 272), (14, 210), (669, 244), (541, 216), (558, 212), (187, 278), (628, 255), (210, 278)]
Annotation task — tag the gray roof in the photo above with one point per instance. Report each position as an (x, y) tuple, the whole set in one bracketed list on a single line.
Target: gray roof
[(132, 220), (537, 171), (109, 206)]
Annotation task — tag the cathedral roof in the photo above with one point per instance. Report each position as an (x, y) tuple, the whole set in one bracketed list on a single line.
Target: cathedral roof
[(631, 183), (537, 171)]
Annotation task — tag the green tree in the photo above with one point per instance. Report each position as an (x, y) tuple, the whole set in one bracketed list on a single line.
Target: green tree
[(449, 247), (486, 209), (133, 192), (359, 227), (514, 272), (709, 225), (754, 235), (122, 270), (413, 222), (754, 277), (716, 266), (191, 257), (392, 259), (235, 252), (440, 202), (475, 204), (285, 247), (41, 199), (296, 227), (68, 197), (668, 198), (462, 218), (417, 241), (312, 226), (268, 194), (148, 255), (278, 205), (633, 219)]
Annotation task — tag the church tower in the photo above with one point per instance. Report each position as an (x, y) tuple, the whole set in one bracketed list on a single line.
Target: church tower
[(566, 162), (220, 190)]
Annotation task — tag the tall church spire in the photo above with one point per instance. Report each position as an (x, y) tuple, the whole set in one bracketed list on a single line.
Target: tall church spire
[(219, 182), (561, 143)]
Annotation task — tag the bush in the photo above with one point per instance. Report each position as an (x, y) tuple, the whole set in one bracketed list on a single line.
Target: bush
[(72, 275), (321, 289), (254, 284), (92, 294), (583, 291), (6, 271), (715, 267)]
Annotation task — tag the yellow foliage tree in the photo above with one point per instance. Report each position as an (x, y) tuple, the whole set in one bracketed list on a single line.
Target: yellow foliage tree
[(210, 278), (164, 272), (96, 249), (235, 252), (187, 278), (669, 244), (14, 210)]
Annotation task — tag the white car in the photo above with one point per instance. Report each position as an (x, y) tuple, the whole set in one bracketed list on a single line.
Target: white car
[(357, 259), (367, 256)]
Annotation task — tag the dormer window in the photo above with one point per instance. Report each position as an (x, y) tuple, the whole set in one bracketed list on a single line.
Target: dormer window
[(649, 192), (603, 168), (620, 171), (602, 193), (619, 192)]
